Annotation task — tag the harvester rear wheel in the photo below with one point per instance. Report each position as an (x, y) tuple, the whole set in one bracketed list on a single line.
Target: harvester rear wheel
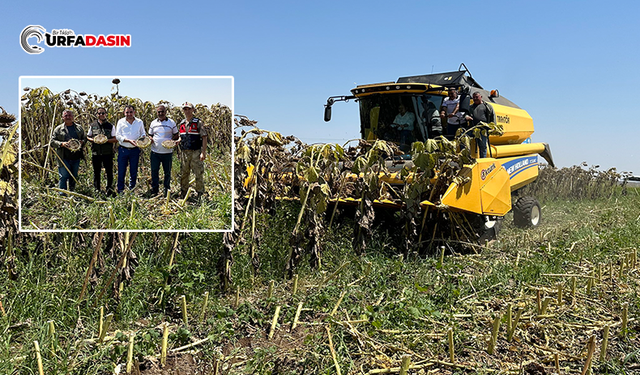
[(527, 212)]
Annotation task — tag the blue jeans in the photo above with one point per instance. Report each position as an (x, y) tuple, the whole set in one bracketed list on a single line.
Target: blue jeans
[(127, 157), (74, 166), (157, 160)]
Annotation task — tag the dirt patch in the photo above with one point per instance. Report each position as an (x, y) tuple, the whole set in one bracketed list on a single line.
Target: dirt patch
[(181, 364)]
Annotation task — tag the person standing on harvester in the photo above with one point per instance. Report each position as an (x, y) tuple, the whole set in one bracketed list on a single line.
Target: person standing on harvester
[(480, 111)]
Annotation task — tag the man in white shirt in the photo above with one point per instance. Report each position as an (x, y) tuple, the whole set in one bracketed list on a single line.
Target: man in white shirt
[(451, 111), (128, 131), (404, 123), (161, 129)]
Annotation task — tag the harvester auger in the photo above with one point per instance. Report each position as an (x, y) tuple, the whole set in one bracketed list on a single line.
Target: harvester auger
[(450, 190)]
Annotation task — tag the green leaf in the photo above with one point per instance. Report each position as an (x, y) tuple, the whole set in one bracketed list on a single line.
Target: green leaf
[(424, 161), (339, 151), (414, 312), (417, 147), (432, 145), (421, 289), (311, 175), (326, 190), (359, 165)]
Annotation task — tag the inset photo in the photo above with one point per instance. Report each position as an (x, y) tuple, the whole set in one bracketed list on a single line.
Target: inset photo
[(123, 153)]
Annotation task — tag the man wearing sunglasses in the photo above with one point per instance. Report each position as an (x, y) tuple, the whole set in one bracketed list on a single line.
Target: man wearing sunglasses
[(102, 154)]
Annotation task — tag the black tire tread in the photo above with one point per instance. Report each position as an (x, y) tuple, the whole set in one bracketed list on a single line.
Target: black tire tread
[(522, 211)]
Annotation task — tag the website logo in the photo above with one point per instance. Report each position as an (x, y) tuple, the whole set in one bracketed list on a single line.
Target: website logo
[(32, 31), (67, 38)]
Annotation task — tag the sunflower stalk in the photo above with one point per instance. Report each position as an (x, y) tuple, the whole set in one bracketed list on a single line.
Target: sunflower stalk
[(38, 357), (605, 343), (296, 317), (53, 119), (130, 353), (274, 322), (165, 338), (494, 335), (204, 306), (183, 306)]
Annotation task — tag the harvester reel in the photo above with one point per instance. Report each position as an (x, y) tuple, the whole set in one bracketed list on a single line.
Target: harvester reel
[(527, 212)]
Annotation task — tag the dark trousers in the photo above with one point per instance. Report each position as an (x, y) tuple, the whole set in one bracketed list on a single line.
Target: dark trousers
[(99, 162), (452, 129), (127, 157), (157, 160)]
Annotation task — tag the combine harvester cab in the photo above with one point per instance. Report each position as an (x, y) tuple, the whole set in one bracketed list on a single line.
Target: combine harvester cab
[(492, 182)]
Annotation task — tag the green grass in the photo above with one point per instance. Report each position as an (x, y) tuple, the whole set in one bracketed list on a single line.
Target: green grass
[(45, 209), (398, 305)]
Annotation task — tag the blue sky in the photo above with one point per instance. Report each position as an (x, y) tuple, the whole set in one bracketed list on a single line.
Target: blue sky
[(572, 65)]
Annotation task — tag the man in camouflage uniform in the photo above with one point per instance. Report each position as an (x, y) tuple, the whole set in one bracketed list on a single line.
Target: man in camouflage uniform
[(68, 161), (193, 146)]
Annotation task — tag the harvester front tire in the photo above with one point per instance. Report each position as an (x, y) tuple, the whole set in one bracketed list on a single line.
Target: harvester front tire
[(490, 226), (527, 212)]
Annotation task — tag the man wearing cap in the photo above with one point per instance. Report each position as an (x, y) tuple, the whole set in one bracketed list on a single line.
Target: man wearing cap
[(102, 154), (68, 161), (161, 129), (128, 131), (193, 146)]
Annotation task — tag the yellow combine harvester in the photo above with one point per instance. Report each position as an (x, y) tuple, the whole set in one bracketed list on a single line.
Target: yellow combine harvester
[(491, 182)]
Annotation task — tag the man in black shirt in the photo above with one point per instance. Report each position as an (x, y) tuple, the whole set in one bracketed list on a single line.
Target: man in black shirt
[(102, 153)]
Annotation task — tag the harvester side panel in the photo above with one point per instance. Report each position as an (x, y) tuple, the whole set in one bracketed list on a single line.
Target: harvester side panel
[(486, 193), (465, 197), (496, 194)]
